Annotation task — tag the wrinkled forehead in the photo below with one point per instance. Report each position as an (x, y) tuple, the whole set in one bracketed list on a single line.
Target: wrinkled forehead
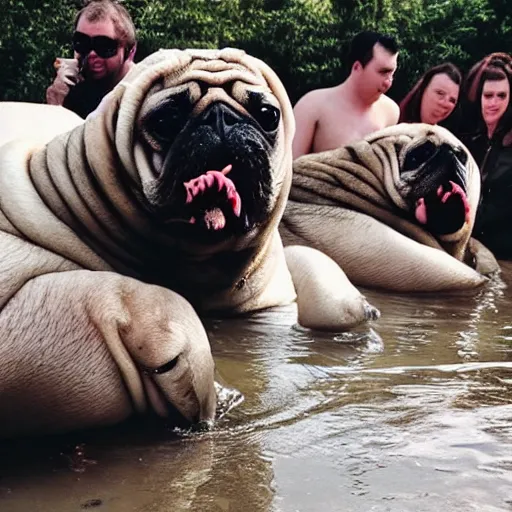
[(407, 135), (435, 134), (204, 76), (214, 80), (215, 75)]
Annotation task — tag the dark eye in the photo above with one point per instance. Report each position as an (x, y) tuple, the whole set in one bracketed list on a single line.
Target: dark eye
[(167, 367), (167, 120), (419, 155), (268, 117)]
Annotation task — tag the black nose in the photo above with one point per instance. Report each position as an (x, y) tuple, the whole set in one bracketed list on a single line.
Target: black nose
[(453, 167), (221, 117)]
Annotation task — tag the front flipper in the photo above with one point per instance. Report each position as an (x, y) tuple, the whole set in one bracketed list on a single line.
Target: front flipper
[(326, 299), (479, 257), (374, 255), (83, 349)]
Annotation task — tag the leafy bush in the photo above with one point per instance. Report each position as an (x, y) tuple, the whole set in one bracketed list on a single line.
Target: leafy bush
[(305, 41)]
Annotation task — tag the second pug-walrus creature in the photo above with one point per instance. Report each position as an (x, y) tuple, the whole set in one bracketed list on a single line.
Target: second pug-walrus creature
[(395, 210), (177, 182)]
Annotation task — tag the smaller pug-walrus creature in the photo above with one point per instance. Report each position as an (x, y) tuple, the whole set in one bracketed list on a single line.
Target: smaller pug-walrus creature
[(394, 210), (116, 233)]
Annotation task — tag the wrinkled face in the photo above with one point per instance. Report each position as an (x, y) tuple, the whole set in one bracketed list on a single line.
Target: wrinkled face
[(377, 76), (436, 176), (213, 149), (96, 67), (439, 99), (495, 100)]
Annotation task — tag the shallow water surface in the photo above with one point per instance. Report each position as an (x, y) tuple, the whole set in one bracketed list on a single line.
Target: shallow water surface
[(413, 413)]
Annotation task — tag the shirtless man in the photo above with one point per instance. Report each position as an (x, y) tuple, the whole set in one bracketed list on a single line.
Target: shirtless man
[(333, 117)]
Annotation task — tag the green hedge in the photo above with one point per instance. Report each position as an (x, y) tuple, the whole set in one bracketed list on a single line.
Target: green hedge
[(305, 41)]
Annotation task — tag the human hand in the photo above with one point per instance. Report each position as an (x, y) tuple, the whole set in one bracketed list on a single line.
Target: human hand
[(68, 71), (68, 75)]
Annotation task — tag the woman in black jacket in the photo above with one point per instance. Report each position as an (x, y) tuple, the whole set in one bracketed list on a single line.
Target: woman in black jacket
[(489, 109)]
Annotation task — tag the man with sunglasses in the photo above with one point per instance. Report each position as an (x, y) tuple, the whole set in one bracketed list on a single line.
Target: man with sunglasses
[(104, 45)]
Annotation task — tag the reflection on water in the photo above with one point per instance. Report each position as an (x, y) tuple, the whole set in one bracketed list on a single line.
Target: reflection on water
[(413, 413)]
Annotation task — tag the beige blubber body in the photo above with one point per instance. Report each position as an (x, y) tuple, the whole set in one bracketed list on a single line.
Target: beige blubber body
[(82, 357), (357, 205), (95, 232), (326, 299)]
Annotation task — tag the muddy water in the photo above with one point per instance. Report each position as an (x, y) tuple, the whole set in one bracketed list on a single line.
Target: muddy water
[(411, 414)]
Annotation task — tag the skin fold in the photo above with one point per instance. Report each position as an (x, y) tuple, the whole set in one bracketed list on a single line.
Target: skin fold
[(394, 211), (117, 233)]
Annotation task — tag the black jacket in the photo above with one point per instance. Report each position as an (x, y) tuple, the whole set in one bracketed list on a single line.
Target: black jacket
[(84, 97), (493, 225)]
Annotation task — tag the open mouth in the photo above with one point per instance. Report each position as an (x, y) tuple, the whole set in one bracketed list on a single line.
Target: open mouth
[(215, 197), (228, 199), (444, 210), (212, 199), (215, 176)]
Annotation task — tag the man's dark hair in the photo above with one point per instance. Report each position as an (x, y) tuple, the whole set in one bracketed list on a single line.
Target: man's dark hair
[(361, 47)]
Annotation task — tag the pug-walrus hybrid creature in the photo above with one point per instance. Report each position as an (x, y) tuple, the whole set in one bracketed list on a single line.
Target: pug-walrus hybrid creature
[(394, 210), (177, 182)]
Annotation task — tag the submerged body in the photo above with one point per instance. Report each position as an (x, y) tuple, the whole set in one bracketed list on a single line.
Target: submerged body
[(395, 210)]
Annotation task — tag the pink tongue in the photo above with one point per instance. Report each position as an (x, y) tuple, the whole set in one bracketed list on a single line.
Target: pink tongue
[(456, 189), (421, 211), (421, 208), (214, 217)]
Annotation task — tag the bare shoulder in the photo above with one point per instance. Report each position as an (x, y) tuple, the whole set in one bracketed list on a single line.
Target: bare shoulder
[(314, 98), (309, 113), (389, 109)]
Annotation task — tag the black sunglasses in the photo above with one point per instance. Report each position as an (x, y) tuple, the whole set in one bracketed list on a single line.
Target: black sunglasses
[(104, 46)]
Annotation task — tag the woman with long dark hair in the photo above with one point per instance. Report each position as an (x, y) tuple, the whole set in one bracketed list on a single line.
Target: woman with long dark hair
[(488, 111), (434, 96)]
